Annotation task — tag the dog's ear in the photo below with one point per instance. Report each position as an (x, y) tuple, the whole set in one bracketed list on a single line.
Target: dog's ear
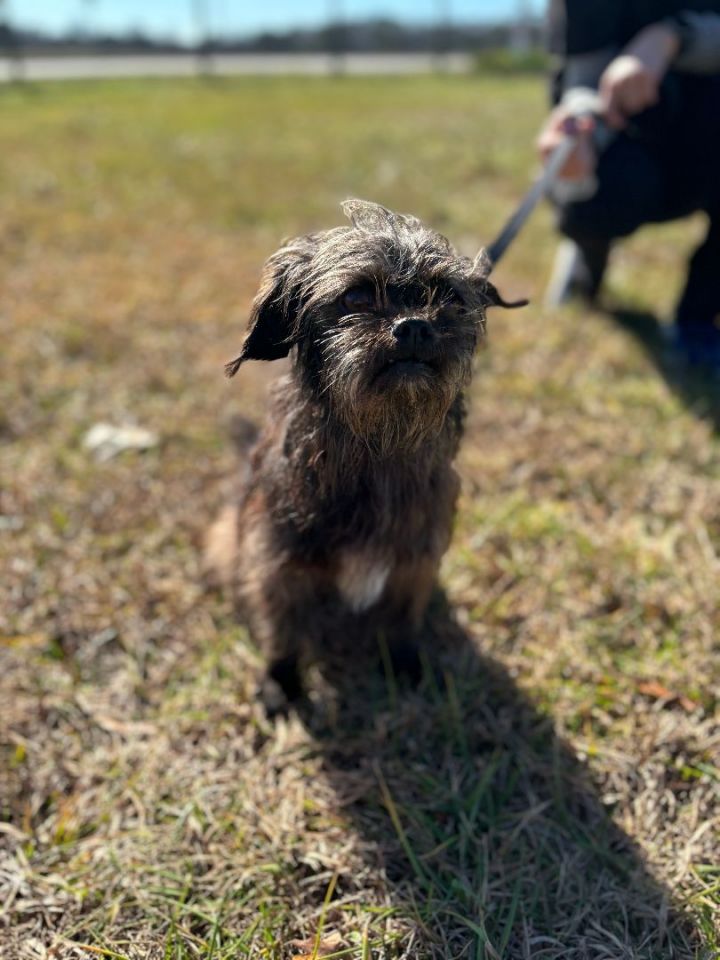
[(272, 330), (488, 291), (493, 298)]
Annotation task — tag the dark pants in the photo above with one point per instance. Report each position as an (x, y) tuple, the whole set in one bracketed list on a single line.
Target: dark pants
[(665, 167)]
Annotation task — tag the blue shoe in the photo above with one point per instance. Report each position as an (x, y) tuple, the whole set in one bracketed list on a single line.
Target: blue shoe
[(695, 347)]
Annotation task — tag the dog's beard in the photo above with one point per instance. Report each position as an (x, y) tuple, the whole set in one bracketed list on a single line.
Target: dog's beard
[(393, 411)]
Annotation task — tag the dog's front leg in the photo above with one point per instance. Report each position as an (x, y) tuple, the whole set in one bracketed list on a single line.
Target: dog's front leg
[(284, 613), (405, 604)]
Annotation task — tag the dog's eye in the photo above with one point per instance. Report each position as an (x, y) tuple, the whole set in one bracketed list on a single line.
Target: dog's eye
[(449, 297), (359, 300), (411, 296)]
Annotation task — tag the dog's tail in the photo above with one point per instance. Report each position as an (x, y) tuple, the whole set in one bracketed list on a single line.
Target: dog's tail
[(220, 545), (220, 549)]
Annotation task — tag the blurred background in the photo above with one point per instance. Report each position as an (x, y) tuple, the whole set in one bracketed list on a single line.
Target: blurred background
[(228, 36)]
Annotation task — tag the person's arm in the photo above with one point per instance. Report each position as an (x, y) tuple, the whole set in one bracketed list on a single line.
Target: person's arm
[(627, 83), (631, 82), (699, 35), (585, 69)]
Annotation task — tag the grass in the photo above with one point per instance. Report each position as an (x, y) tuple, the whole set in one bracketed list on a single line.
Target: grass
[(560, 797)]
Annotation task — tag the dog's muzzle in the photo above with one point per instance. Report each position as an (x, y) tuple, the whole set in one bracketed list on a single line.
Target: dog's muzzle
[(414, 353), (415, 339)]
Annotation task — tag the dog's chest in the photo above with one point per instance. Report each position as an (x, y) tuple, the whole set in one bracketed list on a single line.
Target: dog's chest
[(361, 578)]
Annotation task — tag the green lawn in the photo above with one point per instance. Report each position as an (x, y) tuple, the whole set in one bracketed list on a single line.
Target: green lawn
[(560, 800)]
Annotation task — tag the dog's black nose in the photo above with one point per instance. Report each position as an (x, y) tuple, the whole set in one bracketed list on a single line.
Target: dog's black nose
[(415, 337)]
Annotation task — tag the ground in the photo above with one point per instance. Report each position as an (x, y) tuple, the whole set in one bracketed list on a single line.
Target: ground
[(557, 795)]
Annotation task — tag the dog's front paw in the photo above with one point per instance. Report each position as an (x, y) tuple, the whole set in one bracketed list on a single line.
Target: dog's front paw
[(280, 687), (405, 660)]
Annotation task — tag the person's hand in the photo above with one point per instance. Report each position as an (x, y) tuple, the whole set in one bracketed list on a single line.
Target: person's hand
[(631, 83), (561, 123)]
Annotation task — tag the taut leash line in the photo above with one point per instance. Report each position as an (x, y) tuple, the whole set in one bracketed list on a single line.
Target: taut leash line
[(582, 102)]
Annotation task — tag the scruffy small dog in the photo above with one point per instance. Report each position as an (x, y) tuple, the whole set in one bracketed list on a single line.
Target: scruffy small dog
[(348, 502)]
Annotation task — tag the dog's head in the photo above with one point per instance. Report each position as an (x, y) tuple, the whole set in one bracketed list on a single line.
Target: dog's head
[(383, 317)]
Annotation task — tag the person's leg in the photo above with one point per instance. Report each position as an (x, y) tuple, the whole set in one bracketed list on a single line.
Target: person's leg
[(695, 334), (693, 177), (695, 167), (700, 301), (637, 184), (631, 192)]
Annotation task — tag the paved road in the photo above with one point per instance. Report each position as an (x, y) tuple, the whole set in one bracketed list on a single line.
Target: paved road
[(181, 65)]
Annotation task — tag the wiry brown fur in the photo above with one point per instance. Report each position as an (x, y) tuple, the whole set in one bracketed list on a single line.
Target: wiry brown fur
[(349, 500)]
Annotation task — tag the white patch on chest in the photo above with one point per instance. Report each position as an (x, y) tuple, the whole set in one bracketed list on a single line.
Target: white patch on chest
[(361, 579)]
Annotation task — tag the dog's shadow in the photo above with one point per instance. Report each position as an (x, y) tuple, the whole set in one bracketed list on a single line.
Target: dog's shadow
[(486, 827), (698, 392)]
